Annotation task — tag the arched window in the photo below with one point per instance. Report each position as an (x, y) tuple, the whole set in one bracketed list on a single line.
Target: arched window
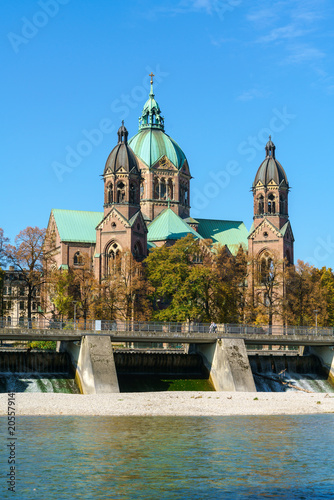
[(282, 205), (271, 204), (170, 190), (113, 255), (133, 192), (142, 190), (137, 250), (266, 268), (182, 194), (110, 195), (163, 189), (120, 192), (260, 205), (156, 189), (78, 259), (186, 196)]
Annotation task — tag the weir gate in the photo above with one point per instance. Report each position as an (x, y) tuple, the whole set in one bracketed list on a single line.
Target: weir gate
[(223, 350)]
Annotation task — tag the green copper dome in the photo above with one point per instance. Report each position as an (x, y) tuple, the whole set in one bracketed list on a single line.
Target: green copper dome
[(151, 142), (150, 145)]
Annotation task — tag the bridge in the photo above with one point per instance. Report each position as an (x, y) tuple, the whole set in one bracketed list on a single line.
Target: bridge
[(158, 332), (223, 350)]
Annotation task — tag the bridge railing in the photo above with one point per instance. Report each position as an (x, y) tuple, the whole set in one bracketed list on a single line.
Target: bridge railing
[(165, 329)]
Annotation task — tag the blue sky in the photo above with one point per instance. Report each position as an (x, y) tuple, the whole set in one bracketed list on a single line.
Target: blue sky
[(228, 73)]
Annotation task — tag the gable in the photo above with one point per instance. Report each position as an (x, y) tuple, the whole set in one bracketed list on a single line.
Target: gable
[(265, 227)]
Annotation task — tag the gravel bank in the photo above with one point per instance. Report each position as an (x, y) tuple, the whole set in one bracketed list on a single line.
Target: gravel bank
[(171, 404)]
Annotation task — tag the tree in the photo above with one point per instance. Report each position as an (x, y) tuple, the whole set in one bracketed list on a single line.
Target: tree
[(27, 256), (3, 242), (232, 292), (268, 288), (60, 292), (126, 291), (183, 279), (85, 288), (327, 286), (305, 295)]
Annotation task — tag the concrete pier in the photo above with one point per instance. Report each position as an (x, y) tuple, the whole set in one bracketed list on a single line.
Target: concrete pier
[(326, 356), (228, 365), (94, 364)]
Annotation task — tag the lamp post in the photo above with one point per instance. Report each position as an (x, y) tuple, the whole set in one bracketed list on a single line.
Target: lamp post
[(316, 320), (75, 314)]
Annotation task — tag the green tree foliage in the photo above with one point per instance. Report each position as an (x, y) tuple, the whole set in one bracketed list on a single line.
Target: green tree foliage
[(50, 345), (193, 284), (62, 292)]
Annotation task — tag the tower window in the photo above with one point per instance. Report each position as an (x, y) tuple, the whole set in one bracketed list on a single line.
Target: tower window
[(266, 268), (120, 192), (283, 205), (78, 259), (133, 192), (110, 197), (113, 261), (170, 190), (137, 250), (271, 204), (260, 202)]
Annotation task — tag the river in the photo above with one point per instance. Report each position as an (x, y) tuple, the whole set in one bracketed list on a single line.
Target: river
[(267, 457)]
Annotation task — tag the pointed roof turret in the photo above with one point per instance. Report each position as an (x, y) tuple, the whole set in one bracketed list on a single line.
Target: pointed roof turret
[(121, 158), (270, 169), (151, 115)]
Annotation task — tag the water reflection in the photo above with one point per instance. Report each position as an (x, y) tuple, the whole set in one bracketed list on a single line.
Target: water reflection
[(286, 457)]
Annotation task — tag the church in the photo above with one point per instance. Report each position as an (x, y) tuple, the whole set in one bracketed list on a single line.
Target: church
[(147, 199)]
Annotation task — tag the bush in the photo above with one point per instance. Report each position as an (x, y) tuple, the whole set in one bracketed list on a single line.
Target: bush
[(43, 345)]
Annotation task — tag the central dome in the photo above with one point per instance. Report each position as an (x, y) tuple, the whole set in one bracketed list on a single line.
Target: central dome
[(151, 143)]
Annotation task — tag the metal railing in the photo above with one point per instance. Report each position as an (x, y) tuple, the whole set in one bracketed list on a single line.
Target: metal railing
[(163, 329)]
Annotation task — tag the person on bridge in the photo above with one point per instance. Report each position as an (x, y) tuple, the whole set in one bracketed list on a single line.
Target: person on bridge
[(213, 327)]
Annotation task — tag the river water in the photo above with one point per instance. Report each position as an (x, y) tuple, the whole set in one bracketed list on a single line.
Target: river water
[(267, 457)]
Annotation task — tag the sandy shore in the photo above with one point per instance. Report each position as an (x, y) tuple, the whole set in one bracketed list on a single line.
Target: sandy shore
[(171, 404)]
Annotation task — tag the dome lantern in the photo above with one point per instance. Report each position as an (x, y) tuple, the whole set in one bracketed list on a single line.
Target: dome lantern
[(151, 116)]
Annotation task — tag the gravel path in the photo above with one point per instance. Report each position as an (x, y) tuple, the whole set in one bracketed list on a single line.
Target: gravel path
[(171, 404)]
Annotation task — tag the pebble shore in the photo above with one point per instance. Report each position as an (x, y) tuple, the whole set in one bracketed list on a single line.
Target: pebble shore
[(171, 404)]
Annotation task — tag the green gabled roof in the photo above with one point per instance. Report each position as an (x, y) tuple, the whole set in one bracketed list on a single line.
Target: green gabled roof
[(169, 226), (77, 225), (226, 232)]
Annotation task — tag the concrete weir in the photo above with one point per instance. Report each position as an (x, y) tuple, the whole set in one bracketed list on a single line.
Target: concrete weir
[(94, 364), (228, 365)]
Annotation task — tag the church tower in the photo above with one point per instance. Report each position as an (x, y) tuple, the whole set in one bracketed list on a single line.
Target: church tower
[(163, 165), (271, 230), (270, 241), (123, 226)]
